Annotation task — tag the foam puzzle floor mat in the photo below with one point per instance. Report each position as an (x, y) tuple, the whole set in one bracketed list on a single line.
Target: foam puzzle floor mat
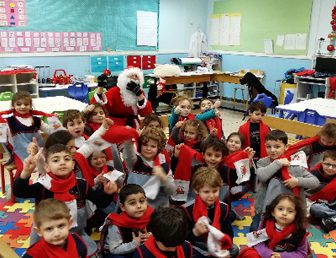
[(16, 220)]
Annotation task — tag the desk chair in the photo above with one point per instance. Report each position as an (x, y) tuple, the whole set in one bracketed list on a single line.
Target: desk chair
[(288, 99), (9, 166), (79, 91)]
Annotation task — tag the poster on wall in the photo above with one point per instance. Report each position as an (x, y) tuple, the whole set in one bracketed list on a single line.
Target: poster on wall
[(12, 13), (147, 31), (32, 41)]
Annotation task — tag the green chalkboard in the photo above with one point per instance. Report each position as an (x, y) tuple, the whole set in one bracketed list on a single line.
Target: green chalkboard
[(265, 19), (115, 19)]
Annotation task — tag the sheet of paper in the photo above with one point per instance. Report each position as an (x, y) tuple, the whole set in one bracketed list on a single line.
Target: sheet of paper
[(224, 36), (235, 29), (301, 41), (290, 40), (147, 28), (268, 46), (280, 40), (214, 30)]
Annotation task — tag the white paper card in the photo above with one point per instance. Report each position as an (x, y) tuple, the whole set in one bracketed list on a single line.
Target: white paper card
[(147, 28), (268, 46), (299, 159), (256, 237), (280, 40)]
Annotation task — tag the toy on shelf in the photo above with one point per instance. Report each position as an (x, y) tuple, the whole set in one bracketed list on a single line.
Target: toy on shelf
[(60, 77)]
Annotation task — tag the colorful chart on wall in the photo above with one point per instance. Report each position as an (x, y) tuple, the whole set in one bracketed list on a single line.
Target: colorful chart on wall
[(114, 20), (12, 13), (277, 26)]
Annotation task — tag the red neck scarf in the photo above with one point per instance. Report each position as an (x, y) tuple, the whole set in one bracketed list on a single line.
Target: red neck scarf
[(285, 175), (85, 168), (230, 159), (300, 144), (200, 210), (276, 236), (96, 172), (150, 244), (215, 123), (42, 249), (31, 113), (188, 117), (326, 193), (125, 221), (263, 130), (61, 186), (94, 126)]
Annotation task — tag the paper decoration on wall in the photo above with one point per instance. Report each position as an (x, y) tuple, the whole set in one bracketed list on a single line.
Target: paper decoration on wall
[(31, 41), (225, 29), (332, 35), (296, 41), (147, 28), (12, 13)]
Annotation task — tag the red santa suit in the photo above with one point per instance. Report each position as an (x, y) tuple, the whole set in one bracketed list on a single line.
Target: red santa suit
[(122, 104)]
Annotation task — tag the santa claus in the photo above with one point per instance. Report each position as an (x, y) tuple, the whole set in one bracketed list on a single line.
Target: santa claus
[(126, 101)]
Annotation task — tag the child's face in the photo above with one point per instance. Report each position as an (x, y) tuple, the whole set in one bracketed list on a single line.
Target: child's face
[(23, 106), (190, 132), (329, 166), (54, 232), (135, 205), (72, 147), (275, 149), (149, 150), (208, 194), (154, 124), (256, 116), (234, 144), (326, 141), (98, 160), (185, 107), (76, 127), (98, 115), (212, 158), (60, 164), (284, 212), (205, 105)]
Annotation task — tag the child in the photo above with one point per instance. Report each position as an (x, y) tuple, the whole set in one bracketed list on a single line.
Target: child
[(149, 168), (60, 183), (169, 229), (254, 130), (181, 112), (277, 175), (206, 183), (324, 197), (123, 233), (211, 117), (284, 234), (234, 142), (191, 133), (152, 121), (24, 124), (315, 146), (52, 223), (94, 115), (74, 121)]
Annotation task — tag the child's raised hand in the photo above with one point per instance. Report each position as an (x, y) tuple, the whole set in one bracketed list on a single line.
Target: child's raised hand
[(144, 235), (250, 152), (275, 255), (284, 162), (29, 165), (33, 147), (200, 228), (177, 110), (159, 172), (110, 187), (213, 131), (217, 113), (137, 239), (180, 123), (177, 149), (217, 104), (292, 182), (107, 123), (89, 108)]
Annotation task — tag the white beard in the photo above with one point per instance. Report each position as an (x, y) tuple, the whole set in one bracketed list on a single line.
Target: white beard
[(129, 99)]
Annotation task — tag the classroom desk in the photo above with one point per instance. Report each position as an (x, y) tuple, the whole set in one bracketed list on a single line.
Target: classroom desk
[(186, 78), (325, 107), (50, 104)]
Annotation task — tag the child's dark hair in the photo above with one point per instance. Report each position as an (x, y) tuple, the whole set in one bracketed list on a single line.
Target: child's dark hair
[(61, 137), (331, 154), (71, 115), (176, 101), (149, 118), (129, 189), (241, 138), (300, 217), (206, 176), (328, 131), (21, 95), (216, 144), (202, 130), (56, 148), (153, 134), (88, 115), (203, 99), (50, 209), (169, 226), (277, 135), (257, 106)]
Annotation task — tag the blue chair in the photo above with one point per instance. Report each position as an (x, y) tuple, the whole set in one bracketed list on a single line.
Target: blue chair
[(262, 97), (288, 99), (311, 117), (79, 91)]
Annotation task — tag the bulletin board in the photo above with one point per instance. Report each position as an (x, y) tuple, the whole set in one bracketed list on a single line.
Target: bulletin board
[(264, 19), (116, 21)]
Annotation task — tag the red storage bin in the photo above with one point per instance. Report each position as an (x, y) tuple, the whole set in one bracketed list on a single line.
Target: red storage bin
[(134, 61), (148, 62)]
